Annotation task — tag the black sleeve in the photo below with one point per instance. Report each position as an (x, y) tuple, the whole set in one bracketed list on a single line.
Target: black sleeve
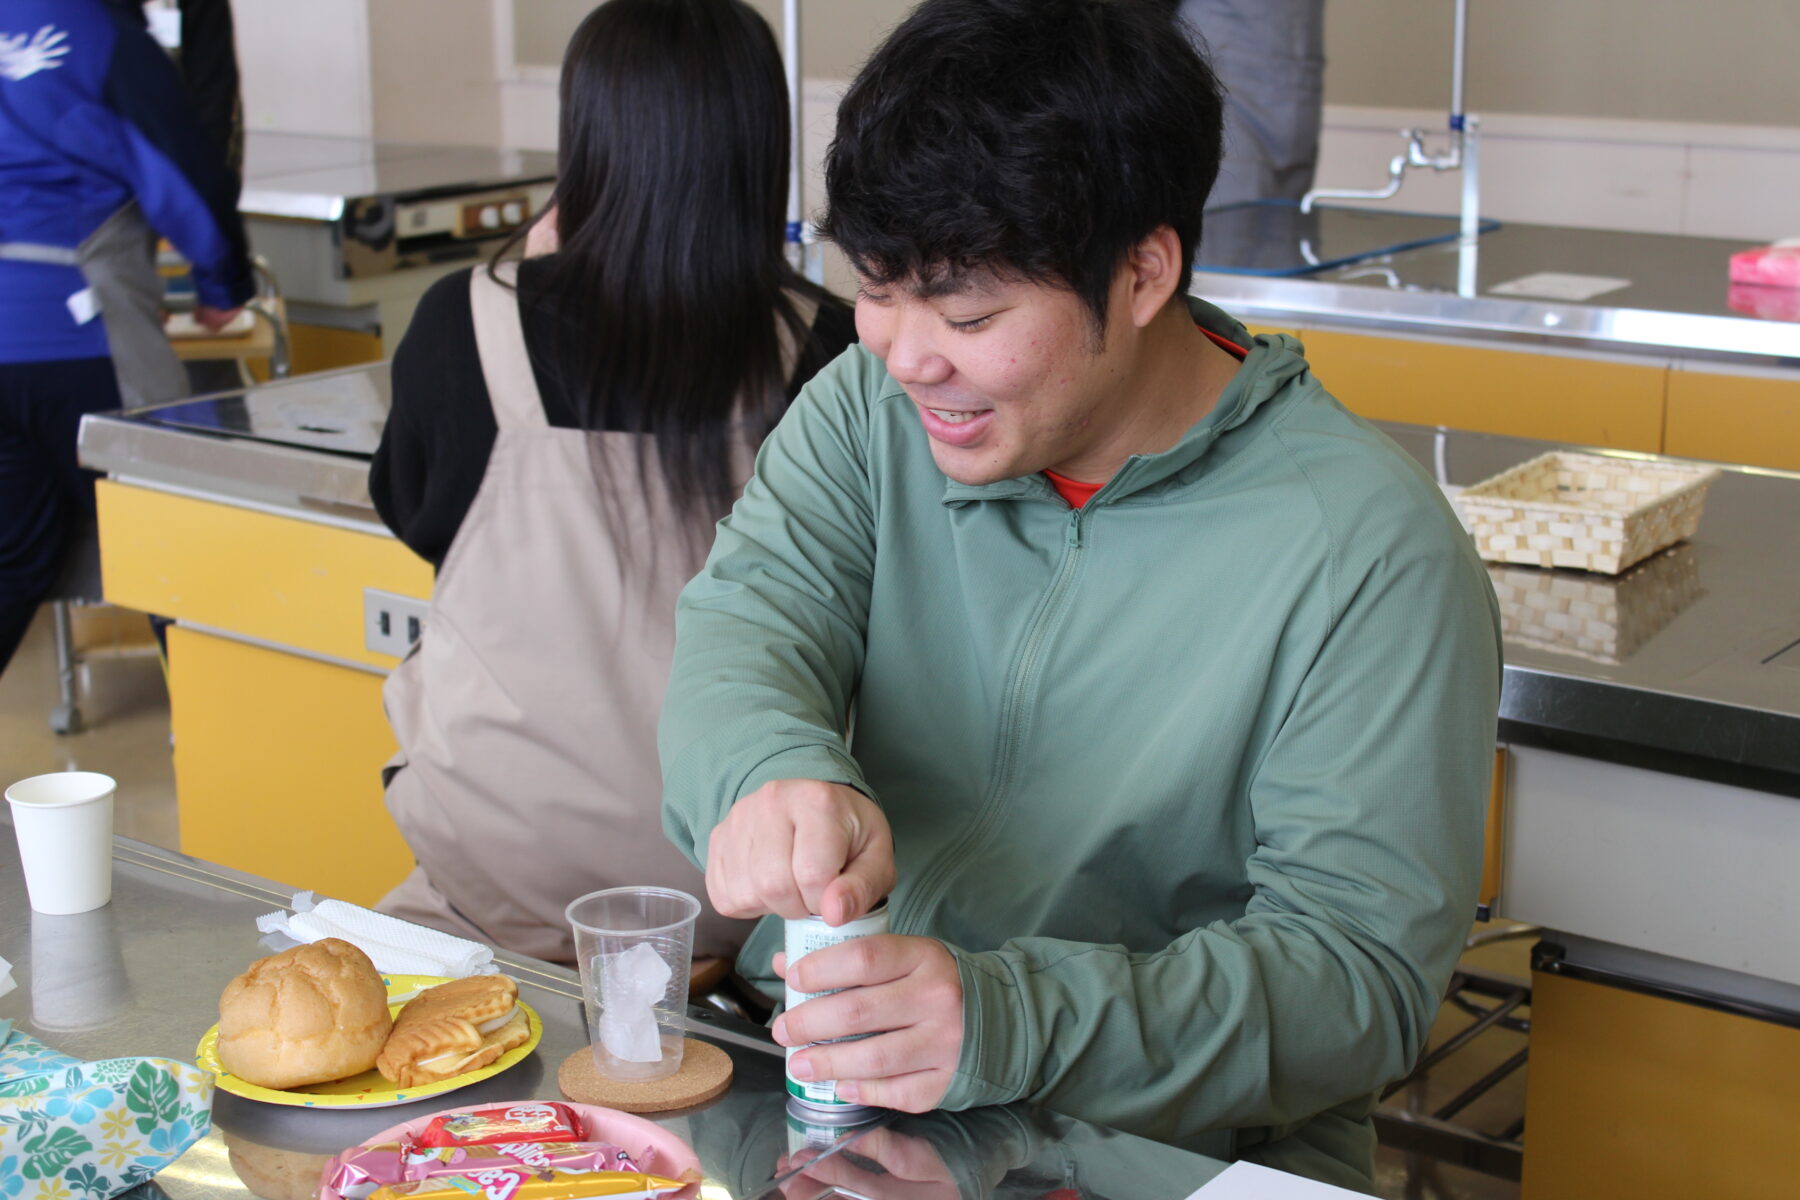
[(440, 429), (209, 67), (176, 173), (833, 329)]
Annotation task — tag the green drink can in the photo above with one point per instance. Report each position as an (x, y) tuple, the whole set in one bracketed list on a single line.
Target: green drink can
[(820, 1097)]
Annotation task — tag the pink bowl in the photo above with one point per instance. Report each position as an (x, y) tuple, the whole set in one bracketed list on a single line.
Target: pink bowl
[(674, 1158)]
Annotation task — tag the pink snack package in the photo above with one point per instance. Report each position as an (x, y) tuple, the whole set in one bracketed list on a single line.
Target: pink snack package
[(535, 1122), (359, 1172), (1769, 266)]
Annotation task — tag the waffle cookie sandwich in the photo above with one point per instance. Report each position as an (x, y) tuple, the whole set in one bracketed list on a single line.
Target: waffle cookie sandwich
[(454, 1027)]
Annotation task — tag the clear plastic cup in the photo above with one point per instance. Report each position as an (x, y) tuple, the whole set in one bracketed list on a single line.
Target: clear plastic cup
[(637, 1029), (64, 826)]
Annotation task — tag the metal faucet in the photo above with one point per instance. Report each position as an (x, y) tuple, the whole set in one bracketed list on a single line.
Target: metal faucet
[(1463, 154)]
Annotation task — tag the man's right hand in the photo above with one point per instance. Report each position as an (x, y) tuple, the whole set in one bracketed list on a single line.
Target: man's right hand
[(797, 847)]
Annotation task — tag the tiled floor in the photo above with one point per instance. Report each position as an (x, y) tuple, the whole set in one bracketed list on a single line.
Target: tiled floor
[(127, 712)]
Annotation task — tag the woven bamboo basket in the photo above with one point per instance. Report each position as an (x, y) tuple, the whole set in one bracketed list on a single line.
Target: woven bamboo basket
[(1586, 511)]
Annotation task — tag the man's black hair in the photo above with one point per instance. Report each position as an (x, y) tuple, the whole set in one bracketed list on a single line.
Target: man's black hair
[(1035, 139)]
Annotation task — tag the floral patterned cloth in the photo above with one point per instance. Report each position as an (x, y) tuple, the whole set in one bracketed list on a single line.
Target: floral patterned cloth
[(73, 1130)]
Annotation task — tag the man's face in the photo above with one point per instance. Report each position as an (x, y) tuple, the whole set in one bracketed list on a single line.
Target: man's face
[(1008, 377)]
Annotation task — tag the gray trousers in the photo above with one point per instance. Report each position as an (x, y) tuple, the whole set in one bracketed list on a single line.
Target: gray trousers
[(1270, 57)]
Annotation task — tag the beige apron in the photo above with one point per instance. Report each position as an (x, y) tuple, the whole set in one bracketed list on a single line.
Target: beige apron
[(526, 715)]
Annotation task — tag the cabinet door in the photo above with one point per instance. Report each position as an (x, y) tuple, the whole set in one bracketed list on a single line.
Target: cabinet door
[(278, 767), (1644, 1096), (1520, 393), (275, 579), (1735, 418)]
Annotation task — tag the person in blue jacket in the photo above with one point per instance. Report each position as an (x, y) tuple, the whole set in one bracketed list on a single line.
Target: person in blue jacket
[(99, 145)]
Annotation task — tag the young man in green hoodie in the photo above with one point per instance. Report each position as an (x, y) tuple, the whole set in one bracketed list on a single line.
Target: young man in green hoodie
[(1155, 690)]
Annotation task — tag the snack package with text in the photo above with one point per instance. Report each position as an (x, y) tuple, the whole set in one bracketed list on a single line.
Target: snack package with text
[(360, 1172), (537, 1122), (510, 1184)]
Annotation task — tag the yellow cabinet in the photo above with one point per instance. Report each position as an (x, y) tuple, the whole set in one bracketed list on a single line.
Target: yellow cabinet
[(278, 767), (275, 700), (287, 581), (1643, 1096), (1737, 417), (1586, 401)]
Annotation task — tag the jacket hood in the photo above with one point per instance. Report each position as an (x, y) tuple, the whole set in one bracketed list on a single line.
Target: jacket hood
[(1274, 361)]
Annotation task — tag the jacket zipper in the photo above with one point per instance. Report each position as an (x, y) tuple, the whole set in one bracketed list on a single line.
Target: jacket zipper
[(937, 877)]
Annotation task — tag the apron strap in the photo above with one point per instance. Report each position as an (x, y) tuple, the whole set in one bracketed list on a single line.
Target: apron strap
[(500, 340), (33, 252), (807, 309)]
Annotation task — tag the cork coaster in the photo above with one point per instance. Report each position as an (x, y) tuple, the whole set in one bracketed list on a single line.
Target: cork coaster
[(705, 1073)]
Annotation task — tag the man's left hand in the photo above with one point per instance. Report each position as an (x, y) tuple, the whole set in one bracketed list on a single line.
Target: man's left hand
[(906, 992)]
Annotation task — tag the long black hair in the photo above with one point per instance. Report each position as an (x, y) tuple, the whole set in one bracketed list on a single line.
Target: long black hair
[(672, 295)]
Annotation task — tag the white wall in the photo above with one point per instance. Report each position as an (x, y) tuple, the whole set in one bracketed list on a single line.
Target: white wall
[(435, 79), (1721, 62), (395, 70), (1728, 181), (305, 67), (1732, 170)]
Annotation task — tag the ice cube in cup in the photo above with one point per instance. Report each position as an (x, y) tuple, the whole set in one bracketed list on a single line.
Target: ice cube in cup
[(63, 822), (631, 983), (634, 946)]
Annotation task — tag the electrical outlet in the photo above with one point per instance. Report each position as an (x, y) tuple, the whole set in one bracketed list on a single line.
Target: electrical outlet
[(392, 623)]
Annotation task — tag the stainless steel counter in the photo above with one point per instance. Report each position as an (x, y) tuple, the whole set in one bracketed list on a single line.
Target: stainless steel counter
[(1677, 297), (312, 178), (142, 976), (356, 230), (302, 444), (1701, 677)]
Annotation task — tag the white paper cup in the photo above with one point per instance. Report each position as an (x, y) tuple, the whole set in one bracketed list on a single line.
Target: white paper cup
[(64, 826)]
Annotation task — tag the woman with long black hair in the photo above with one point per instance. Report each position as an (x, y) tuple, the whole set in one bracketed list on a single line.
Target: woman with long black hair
[(564, 432)]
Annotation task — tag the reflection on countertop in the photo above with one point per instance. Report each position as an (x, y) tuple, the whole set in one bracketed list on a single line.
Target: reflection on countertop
[(1603, 618)]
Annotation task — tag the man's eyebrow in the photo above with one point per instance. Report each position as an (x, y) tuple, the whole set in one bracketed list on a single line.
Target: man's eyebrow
[(955, 283)]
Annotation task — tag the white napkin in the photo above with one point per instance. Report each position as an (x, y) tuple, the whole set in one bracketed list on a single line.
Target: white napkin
[(396, 947), (6, 979), (1248, 1181)]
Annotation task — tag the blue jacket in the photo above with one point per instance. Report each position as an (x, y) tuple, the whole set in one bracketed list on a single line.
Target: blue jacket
[(92, 116)]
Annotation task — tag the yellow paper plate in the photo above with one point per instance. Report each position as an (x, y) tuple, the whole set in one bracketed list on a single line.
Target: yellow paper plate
[(368, 1090)]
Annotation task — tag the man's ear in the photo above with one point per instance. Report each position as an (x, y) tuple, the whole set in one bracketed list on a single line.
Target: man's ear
[(1156, 273)]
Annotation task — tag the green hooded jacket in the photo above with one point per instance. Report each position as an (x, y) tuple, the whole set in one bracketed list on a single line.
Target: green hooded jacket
[(1191, 780)]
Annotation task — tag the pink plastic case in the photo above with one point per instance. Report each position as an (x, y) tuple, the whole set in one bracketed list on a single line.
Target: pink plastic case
[(672, 1157)]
